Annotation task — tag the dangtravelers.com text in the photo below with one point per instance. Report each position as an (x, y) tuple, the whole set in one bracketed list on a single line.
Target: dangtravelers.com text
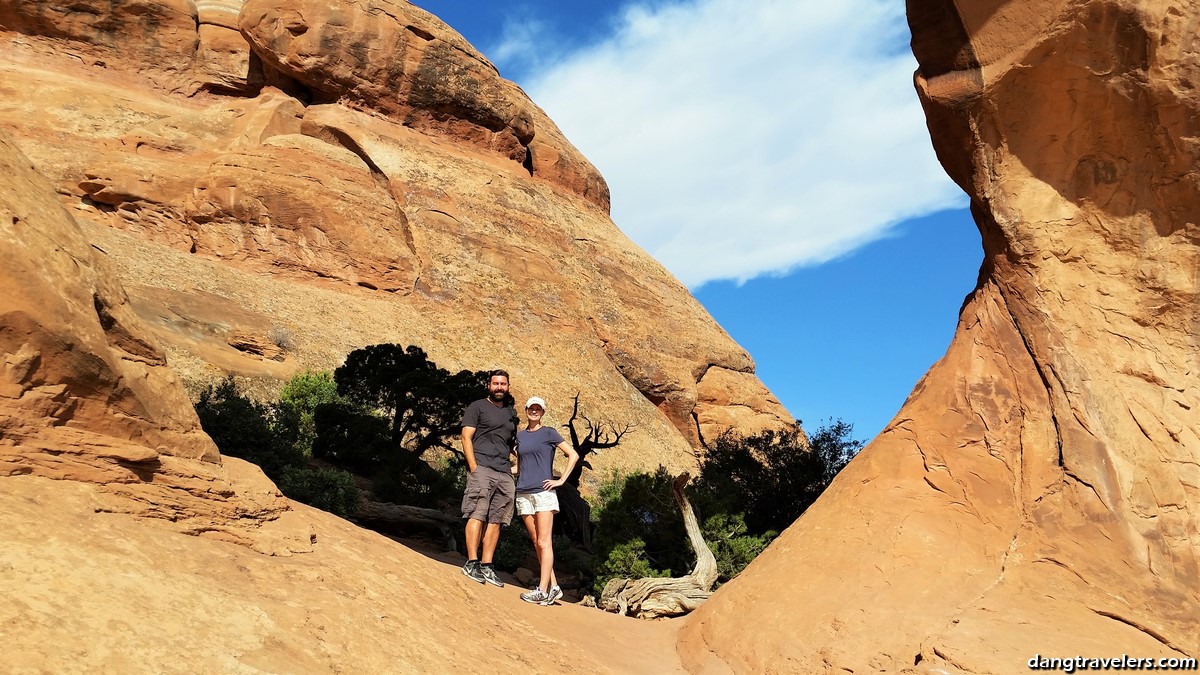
[(1071, 664)]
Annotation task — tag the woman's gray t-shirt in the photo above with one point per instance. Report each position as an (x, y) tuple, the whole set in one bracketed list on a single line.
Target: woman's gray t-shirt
[(535, 454)]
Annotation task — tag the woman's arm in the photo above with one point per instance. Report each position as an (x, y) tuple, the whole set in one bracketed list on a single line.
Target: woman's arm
[(572, 458)]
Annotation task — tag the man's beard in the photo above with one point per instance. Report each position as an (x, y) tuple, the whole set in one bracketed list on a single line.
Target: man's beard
[(497, 396)]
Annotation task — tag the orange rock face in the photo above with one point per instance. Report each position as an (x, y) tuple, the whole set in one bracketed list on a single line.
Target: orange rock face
[(354, 173), (85, 393), (1039, 492), (218, 194), (78, 377)]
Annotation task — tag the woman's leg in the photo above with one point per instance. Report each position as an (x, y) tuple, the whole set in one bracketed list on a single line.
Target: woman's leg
[(544, 542), (531, 528)]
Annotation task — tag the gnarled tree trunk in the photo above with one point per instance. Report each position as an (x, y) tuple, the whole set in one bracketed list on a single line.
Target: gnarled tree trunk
[(385, 513), (657, 596)]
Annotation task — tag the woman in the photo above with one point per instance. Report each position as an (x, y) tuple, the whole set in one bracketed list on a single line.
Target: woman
[(537, 501)]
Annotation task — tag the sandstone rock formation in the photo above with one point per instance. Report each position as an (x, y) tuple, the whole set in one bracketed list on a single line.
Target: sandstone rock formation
[(68, 333), (1039, 492), (227, 183), (103, 469), (354, 173), (85, 395)]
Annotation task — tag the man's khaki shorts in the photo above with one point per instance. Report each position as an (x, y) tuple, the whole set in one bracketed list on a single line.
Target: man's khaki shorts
[(489, 495)]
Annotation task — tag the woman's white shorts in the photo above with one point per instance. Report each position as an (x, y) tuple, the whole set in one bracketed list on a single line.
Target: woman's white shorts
[(536, 502)]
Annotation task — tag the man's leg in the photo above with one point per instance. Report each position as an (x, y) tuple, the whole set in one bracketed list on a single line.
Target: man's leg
[(501, 491), (491, 537), (474, 530), (502, 503), (474, 511)]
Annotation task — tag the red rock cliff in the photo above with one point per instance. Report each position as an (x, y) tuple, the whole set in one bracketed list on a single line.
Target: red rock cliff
[(349, 173), (1039, 492)]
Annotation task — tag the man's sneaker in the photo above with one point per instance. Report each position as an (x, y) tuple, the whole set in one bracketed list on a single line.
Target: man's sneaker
[(488, 573), (536, 595), (472, 570), (551, 597)]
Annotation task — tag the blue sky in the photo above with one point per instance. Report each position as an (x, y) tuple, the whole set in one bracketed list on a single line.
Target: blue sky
[(773, 156)]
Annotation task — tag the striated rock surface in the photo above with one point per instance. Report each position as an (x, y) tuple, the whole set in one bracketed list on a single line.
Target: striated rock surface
[(78, 375), (351, 173), (85, 393), (1039, 492)]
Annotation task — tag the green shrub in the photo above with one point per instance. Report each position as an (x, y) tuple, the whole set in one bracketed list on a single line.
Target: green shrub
[(436, 484), (625, 560), (771, 477), (638, 528), (573, 559), (730, 544), (749, 489), (608, 492), (269, 435), (514, 549), (304, 392), (258, 433), (399, 482), (452, 468), (327, 489), (352, 439)]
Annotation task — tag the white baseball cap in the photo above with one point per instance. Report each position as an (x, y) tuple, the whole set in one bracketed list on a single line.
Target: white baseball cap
[(535, 400)]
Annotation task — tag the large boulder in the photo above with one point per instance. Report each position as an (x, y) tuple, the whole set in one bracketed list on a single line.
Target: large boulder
[(1039, 492), (398, 60)]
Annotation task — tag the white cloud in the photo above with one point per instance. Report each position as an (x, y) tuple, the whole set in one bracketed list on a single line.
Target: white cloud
[(748, 138), (523, 43)]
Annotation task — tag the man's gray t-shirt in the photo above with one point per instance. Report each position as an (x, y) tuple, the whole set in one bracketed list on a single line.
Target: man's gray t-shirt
[(495, 426), (535, 449)]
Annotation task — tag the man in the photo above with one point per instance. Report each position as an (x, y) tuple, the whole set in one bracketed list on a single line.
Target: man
[(489, 430)]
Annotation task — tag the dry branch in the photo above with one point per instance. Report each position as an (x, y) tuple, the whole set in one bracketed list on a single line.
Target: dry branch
[(656, 596)]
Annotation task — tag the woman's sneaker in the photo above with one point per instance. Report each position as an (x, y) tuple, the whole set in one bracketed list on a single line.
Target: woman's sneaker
[(537, 595), (551, 597)]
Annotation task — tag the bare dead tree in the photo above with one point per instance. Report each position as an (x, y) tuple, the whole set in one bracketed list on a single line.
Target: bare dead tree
[(599, 435), (653, 597), (575, 520)]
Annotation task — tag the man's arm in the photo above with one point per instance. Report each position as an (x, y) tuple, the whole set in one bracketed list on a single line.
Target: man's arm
[(468, 442)]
